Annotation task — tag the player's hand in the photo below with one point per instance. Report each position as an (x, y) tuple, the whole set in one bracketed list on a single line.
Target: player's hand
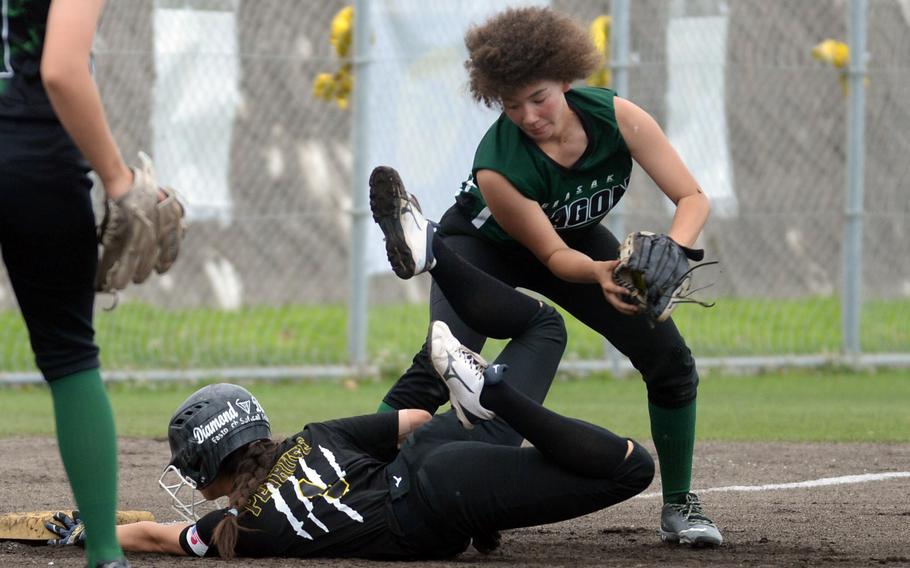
[(69, 530), (616, 295)]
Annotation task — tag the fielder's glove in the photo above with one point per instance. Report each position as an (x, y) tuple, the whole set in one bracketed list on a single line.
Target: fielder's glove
[(70, 530), (655, 270), (139, 233)]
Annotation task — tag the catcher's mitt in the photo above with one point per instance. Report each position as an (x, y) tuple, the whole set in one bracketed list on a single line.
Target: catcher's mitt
[(655, 270), (139, 232)]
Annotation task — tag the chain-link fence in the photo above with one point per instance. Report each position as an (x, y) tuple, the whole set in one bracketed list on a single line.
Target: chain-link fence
[(221, 93)]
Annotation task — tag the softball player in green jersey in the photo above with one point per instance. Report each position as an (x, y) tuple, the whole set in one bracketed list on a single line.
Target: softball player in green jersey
[(544, 176), (52, 131)]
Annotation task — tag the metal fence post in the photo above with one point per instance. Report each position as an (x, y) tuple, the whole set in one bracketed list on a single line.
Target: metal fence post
[(853, 229), (357, 310), (619, 52)]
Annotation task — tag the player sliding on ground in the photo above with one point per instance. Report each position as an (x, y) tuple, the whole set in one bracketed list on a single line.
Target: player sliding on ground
[(401, 485)]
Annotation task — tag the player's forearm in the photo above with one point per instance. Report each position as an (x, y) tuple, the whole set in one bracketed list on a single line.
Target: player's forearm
[(574, 266), (149, 536), (691, 214), (77, 103)]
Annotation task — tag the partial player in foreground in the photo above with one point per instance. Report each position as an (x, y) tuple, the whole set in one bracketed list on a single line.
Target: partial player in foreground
[(544, 177), (53, 129), (400, 485)]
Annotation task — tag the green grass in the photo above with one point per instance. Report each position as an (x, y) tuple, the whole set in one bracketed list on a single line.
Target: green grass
[(822, 406), (804, 406), (138, 336)]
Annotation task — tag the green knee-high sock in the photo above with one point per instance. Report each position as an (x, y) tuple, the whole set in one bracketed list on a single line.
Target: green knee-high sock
[(673, 431), (88, 447)]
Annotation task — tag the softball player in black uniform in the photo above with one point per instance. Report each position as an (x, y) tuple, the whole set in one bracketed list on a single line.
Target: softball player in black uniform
[(544, 176), (344, 488), (51, 121)]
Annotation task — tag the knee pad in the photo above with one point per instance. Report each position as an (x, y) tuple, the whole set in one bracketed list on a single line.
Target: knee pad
[(671, 378)]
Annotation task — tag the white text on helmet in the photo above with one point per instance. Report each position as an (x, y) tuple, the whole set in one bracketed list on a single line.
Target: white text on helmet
[(204, 432)]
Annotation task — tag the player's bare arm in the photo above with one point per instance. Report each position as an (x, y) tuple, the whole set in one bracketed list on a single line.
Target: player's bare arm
[(149, 536), (651, 149), (73, 93), (525, 221)]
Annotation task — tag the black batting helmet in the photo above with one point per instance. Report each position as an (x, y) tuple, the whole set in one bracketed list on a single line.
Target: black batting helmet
[(212, 423)]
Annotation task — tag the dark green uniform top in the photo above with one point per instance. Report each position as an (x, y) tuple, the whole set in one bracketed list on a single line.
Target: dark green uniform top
[(29, 128), (573, 197), (22, 94)]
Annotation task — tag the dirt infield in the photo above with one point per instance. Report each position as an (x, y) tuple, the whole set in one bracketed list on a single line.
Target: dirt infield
[(846, 524)]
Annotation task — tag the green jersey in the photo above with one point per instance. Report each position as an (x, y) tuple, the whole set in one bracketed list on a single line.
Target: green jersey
[(573, 197), (22, 94)]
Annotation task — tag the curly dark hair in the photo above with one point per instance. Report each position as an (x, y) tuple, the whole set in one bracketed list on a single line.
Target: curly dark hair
[(520, 46)]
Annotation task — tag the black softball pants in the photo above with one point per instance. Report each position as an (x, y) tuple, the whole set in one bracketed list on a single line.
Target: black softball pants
[(48, 244), (659, 353)]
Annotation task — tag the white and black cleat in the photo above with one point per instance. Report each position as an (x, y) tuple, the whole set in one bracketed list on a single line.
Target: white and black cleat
[(408, 235), (464, 373), (686, 523)]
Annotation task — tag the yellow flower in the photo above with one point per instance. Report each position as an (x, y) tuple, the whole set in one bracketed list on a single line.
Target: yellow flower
[(600, 35), (831, 51), (342, 27), (836, 53), (337, 86), (344, 83), (324, 86)]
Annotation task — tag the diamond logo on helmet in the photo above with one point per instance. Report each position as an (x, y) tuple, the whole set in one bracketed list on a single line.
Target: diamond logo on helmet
[(204, 432), (244, 404)]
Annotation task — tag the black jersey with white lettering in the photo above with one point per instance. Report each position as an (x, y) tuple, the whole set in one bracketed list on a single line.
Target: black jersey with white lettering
[(22, 94), (326, 495)]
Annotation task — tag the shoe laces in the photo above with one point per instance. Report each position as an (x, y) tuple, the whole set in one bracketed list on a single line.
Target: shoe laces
[(474, 361), (692, 511), (412, 206)]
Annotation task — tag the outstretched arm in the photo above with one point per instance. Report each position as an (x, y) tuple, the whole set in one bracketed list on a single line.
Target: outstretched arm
[(149, 536), (144, 536)]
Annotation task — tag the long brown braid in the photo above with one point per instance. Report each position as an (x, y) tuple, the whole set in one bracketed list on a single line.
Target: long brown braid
[(250, 466)]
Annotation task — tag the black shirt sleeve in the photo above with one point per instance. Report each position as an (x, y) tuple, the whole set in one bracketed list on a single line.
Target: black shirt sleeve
[(196, 540), (374, 434)]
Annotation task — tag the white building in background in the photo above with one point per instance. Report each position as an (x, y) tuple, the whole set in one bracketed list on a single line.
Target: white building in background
[(696, 103), (196, 96)]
